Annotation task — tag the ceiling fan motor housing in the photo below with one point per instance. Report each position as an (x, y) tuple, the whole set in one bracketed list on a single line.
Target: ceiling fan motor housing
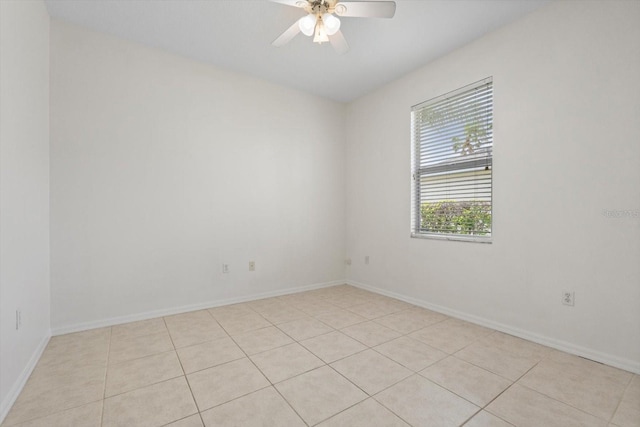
[(319, 7)]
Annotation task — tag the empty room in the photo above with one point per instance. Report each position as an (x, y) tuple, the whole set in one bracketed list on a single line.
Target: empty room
[(290, 213)]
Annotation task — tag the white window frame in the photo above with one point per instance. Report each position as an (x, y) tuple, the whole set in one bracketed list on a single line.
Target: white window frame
[(447, 165)]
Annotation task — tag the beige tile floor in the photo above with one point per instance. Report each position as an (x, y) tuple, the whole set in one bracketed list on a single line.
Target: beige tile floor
[(337, 356)]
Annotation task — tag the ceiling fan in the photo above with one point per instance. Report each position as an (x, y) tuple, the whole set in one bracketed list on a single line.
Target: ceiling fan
[(324, 26)]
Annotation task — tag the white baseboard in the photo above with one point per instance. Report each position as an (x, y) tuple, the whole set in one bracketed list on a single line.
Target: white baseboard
[(608, 359), (17, 387), (185, 308)]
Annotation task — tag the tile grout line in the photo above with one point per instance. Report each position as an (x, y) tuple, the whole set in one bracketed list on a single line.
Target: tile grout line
[(249, 330), (268, 380), (534, 390), (135, 337), (490, 413), (278, 391), (369, 396), (30, 420), (184, 374), (484, 408), (325, 364), (566, 403), (480, 408), (510, 352), (613, 414), (387, 408), (289, 403), (146, 385), (561, 402), (473, 416), (490, 371), (143, 357), (55, 388), (293, 338), (106, 374)]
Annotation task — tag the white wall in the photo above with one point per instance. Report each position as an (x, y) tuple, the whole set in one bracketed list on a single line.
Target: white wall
[(24, 191), (163, 168), (567, 103)]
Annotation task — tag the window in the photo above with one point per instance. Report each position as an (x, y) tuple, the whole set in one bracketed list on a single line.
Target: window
[(452, 144)]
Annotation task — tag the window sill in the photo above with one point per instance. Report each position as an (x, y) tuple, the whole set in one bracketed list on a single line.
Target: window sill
[(455, 237)]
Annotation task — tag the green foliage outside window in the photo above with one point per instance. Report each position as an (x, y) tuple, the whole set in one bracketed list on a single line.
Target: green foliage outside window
[(475, 136), (450, 216)]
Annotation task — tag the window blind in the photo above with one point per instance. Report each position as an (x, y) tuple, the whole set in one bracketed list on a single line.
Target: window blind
[(452, 138)]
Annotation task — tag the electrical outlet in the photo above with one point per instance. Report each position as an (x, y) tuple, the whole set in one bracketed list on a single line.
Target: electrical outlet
[(347, 261), (366, 259), (225, 268), (252, 266), (568, 298)]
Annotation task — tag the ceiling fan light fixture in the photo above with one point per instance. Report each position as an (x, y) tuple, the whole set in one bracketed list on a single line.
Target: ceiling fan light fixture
[(331, 23), (307, 24), (321, 33)]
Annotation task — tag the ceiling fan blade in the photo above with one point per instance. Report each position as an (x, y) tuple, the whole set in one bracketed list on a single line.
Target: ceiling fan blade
[(339, 43), (286, 37), (366, 9), (294, 3)]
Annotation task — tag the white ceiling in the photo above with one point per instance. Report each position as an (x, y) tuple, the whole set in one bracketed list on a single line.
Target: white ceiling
[(237, 35)]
